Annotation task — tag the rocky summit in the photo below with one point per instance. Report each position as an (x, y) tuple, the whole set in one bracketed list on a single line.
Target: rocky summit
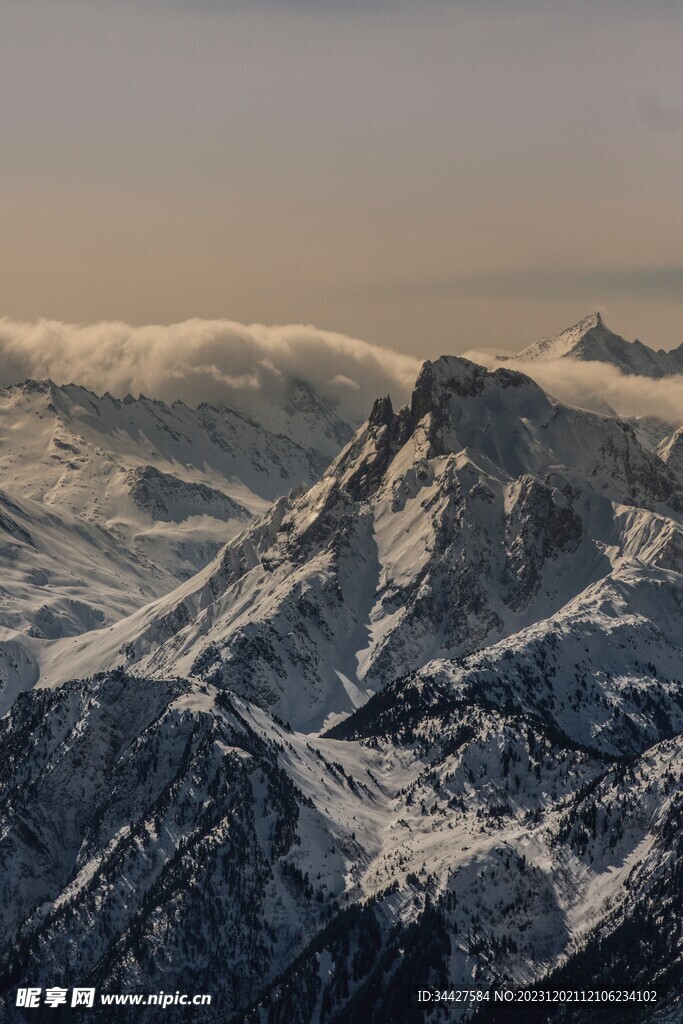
[(418, 725)]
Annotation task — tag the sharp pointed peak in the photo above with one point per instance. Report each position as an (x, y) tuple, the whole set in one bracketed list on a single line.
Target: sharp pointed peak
[(591, 340), (382, 412), (584, 325), (591, 329)]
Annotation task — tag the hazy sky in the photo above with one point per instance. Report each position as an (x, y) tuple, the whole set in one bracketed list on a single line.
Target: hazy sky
[(433, 176)]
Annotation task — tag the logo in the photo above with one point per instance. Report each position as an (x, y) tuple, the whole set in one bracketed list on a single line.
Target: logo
[(83, 997), (29, 998)]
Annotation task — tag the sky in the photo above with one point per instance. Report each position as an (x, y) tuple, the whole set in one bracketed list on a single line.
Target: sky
[(431, 177)]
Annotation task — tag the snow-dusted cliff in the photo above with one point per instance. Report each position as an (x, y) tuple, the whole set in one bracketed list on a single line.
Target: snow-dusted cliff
[(419, 724)]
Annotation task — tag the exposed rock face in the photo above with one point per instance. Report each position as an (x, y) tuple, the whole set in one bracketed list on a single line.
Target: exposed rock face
[(166, 498), (471, 628), (540, 524), (439, 530)]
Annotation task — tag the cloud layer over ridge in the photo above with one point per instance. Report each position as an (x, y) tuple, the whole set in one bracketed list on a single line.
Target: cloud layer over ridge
[(596, 385), (232, 364), (205, 360)]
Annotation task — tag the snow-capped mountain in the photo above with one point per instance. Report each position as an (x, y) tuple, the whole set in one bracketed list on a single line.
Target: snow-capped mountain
[(478, 513), (417, 726), (143, 494), (590, 339)]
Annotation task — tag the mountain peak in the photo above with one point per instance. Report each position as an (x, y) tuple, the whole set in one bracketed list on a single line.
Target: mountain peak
[(447, 373), (590, 340), (445, 513), (382, 413), (587, 323), (588, 336), (455, 376)]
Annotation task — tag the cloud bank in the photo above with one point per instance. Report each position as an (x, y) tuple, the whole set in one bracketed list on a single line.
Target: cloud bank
[(215, 361), (231, 364), (599, 386)]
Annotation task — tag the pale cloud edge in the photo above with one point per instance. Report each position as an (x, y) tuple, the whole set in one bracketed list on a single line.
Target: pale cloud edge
[(221, 361), (214, 361), (595, 385)]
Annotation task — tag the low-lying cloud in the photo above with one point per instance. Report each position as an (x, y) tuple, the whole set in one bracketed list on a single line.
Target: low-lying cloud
[(599, 386), (216, 361), (231, 364)]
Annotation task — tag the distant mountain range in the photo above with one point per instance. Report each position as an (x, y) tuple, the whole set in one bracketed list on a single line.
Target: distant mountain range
[(147, 493), (417, 725)]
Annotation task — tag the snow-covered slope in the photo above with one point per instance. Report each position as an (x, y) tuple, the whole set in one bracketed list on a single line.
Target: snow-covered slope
[(62, 575), (163, 835), (482, 511), (590, 339), (79, 441), (670, 451), (417, 726), (141, 493)]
